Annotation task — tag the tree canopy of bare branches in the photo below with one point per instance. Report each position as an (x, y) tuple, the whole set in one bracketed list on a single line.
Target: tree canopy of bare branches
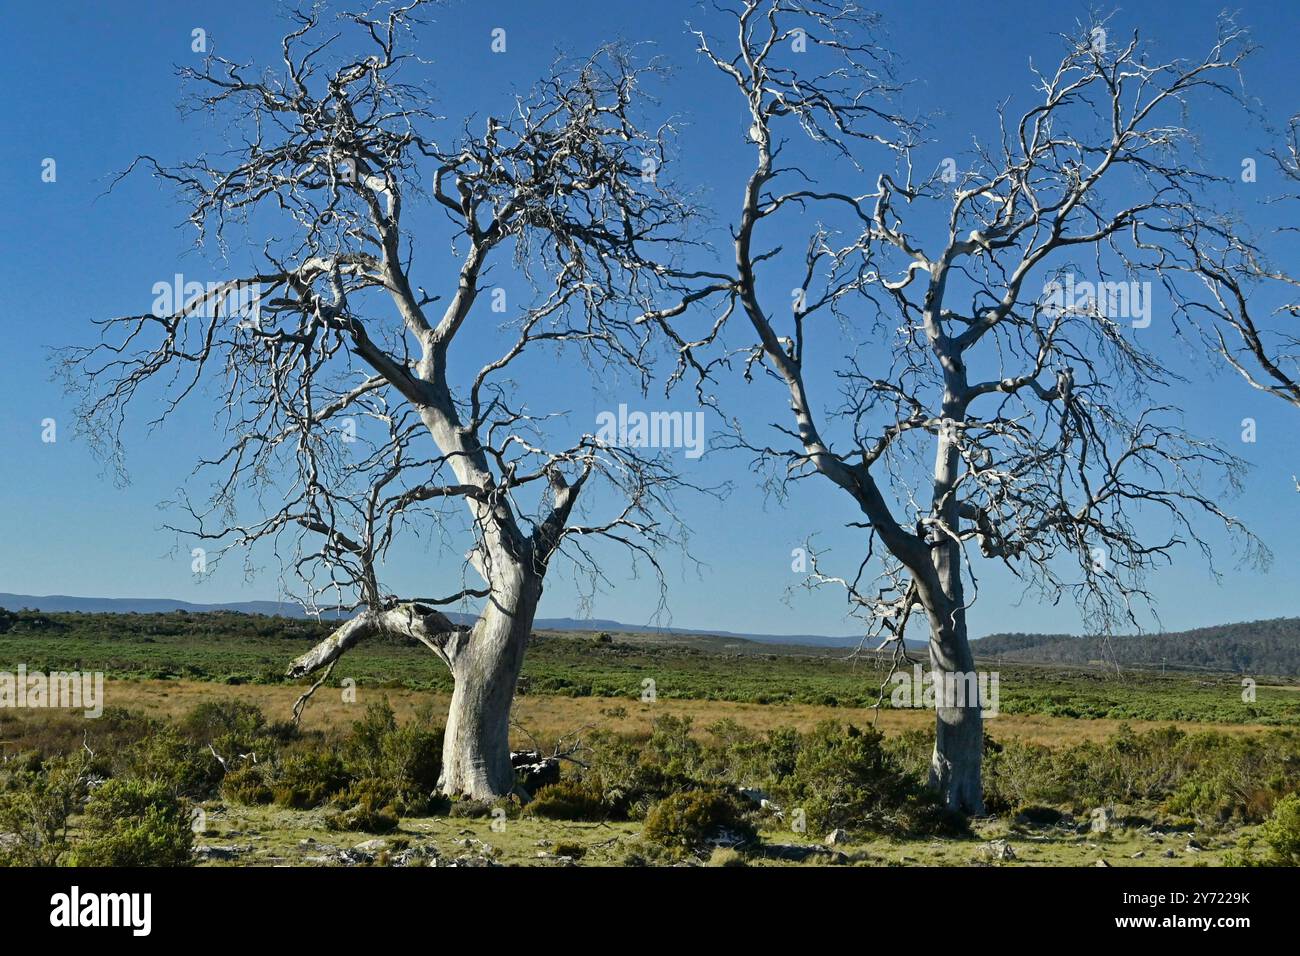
[(352, 416), (984, 409)]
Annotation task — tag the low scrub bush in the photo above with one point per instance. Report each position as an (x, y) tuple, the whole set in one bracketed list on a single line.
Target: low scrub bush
[(633, 773), (838, 776), (246, 785), (574, 851), (912, 750), (212, 720), (843, 778), (169, 758), (1212, 778), (688, 823), (236, 731), (135, 823), (1276, 843), (1025, 774), (1281, 832), (1235, 779), (370, 812), (407, 758), (37, 802), (568, 800), (308, 779)]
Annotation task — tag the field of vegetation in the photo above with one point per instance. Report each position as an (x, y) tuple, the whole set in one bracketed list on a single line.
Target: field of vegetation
[(746, 754), (238, 649)]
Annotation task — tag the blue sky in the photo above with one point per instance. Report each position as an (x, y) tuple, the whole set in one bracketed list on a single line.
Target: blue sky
[(92, 85)]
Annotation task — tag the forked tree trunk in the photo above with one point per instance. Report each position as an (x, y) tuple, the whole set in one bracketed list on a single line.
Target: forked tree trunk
[(485, 668)]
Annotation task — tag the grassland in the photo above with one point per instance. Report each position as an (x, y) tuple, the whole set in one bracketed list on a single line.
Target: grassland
[(574, 684), (545, 719), (238, 650)]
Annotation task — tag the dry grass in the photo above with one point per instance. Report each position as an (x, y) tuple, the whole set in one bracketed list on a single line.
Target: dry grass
[(547, 718)]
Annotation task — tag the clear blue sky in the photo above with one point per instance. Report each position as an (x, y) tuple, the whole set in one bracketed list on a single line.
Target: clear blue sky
[(92, 84)]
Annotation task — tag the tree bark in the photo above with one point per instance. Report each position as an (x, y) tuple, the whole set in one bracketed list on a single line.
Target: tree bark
[(485, 668), (485, 662), (955, 764)]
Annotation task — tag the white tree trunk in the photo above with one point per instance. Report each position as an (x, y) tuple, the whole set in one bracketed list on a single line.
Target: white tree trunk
[(955, 764), (485, 667)]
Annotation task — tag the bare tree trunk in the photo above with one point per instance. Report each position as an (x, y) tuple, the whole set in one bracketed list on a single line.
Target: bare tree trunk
[(955, 764), (485, 668)]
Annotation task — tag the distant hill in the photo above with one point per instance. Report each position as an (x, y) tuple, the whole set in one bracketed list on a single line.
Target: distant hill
[(60, 603), (1269, 647), (1255, 647)]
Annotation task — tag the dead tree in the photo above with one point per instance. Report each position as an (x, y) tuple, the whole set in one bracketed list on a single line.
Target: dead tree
[(353, 419), (981, 412)]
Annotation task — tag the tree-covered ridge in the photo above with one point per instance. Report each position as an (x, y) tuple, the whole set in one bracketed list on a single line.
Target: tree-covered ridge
[(1252, 647)]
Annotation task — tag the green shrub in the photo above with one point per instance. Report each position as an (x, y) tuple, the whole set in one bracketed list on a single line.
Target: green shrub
[(1281, 832), (911, 751), (839, 777), (187, 769), (728, 733), (1023, 774), (377, 789), (305, 780), (671, 749), (1234, 778), (213, 719), (1130, 767), (632, 774), (135, 823), (1039, 816), (843, 778), (763, 763), (118, 728), (372, 810), (1210, 777), (365, 746), (1279, 837), (613, 768), (568, 800), (246, 785), (686, 823), (37, 802), (236, 731), (407, 758)]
